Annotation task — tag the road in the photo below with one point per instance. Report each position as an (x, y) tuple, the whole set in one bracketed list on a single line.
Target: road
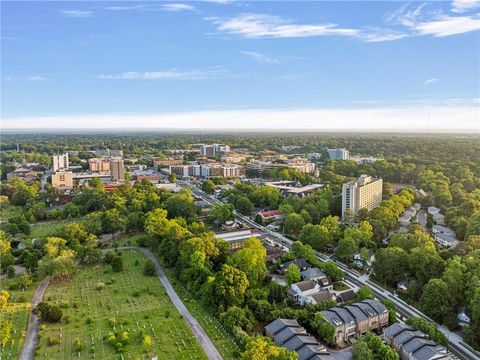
[(31, 339), (197, 330), (354, 276)]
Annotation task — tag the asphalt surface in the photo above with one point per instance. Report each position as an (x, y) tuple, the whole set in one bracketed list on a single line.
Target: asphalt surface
[(31, 339), (197, 330)]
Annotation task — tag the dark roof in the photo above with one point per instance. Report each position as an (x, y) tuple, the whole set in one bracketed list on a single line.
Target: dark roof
[(298, 341), (301, 263), (322, 296), (278, 325), (286, 334), (313, 273), (306, 285), (375, 305), (346, 296), (310, 352)]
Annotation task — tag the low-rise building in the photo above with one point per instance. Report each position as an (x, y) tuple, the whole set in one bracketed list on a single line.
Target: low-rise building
[(354, 320), (236, 238), (24, 173), (289, 334), (413, 344), (287, 188), (268, 216), (166, 162), (301, 263), (62, 180)]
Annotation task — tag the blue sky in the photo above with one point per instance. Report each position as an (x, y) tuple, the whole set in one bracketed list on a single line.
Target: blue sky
[(235, 64)]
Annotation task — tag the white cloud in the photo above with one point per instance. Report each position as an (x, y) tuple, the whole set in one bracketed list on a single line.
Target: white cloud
[(261, 58), (223, 2), (270, 26), (460, 6), (430, 81), (449, 25), (177, 7), (409, 119), (77, 13), (174, 74), (435, 23)]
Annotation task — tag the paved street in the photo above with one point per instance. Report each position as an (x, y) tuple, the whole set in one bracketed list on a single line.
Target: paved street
[(28, 351)]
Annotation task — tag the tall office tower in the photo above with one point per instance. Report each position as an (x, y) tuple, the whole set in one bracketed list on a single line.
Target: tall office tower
[(60, 162), (338, 154), (364, 193), (117, 168)]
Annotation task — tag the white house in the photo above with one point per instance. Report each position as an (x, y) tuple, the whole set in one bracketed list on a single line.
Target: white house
[(301, 290), (463, 318)]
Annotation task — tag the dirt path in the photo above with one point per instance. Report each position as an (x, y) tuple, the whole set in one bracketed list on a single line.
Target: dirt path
[(28, 351)]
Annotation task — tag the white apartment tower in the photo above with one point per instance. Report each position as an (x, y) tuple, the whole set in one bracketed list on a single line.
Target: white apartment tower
[(338, 154), (60, 162), (365, 193)]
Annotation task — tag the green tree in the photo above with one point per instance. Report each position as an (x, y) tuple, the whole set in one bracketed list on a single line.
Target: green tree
[(209, 186), (435, 300), (293, 224), (6, 328), (113, 222), (243, 205), (251, 260), (149, 268), (292, 274), (117, 263), (365, 293), (390, 265), (230, 285), (262, 348), (324, 329), (346, 249), (361, 351), (317, 236), (392, 311), (221, 213), (172, 178)]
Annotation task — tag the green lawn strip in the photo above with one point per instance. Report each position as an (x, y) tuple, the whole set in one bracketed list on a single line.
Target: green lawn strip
[(17, 311), (40, 230), (9, 211), (224, 341), (138, 303)]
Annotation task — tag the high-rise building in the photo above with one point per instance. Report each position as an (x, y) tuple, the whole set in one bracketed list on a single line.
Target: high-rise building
[(62, 179), (99, 165), (214, 149), (364, 193), (60, 162), (117, 168), (338, 154)]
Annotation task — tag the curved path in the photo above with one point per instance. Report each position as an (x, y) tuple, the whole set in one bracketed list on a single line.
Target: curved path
[(197, 330), (31, 339)]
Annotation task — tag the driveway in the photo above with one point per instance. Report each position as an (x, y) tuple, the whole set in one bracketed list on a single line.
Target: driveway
[(197, 330), (28, 351)]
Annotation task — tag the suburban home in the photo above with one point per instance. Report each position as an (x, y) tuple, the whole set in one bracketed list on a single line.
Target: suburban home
[(413, 344), (301, 290), (357, 259), (320, 297), (346, 296), (314, 274), (356, 319), (404, 284), (444, 236), (301, 263), (289, 334)]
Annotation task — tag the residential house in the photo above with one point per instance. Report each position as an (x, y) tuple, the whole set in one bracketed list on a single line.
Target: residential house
[(301, 290), (346, 296), (463, 318), (356, 319), (413, 344), (301, 263), (321, 296), (289, 334), (269, 216)]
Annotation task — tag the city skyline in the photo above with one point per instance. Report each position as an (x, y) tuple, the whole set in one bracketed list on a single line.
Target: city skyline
[(241, 65)]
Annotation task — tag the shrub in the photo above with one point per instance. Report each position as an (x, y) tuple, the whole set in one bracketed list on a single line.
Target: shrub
[(149, 268), (53, 340), (78, 346), (146, 340), (10, 271), (117, 264), (49, 313), (89, 321)]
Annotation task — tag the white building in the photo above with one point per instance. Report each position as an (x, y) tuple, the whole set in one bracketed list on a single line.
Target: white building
[(214, 149), (338, 154), (60, 162), (365, 193)]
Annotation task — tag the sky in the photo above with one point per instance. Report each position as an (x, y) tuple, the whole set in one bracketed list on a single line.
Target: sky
[(223, 64)]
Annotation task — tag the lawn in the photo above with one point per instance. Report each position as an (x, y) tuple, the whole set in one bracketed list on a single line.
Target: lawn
[(17, 311), (9, 211), (130, 302), (224, 341), (43, 230)]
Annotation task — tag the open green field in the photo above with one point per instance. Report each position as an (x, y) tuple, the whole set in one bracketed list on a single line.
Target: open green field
[(224, 341), (42, 230), (130, 302), (17, 311)]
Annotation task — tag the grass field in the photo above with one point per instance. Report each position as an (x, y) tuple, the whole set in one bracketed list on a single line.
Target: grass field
[(17, 311), (224, 341), (40, 230), (9, 211), (135, 302)]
